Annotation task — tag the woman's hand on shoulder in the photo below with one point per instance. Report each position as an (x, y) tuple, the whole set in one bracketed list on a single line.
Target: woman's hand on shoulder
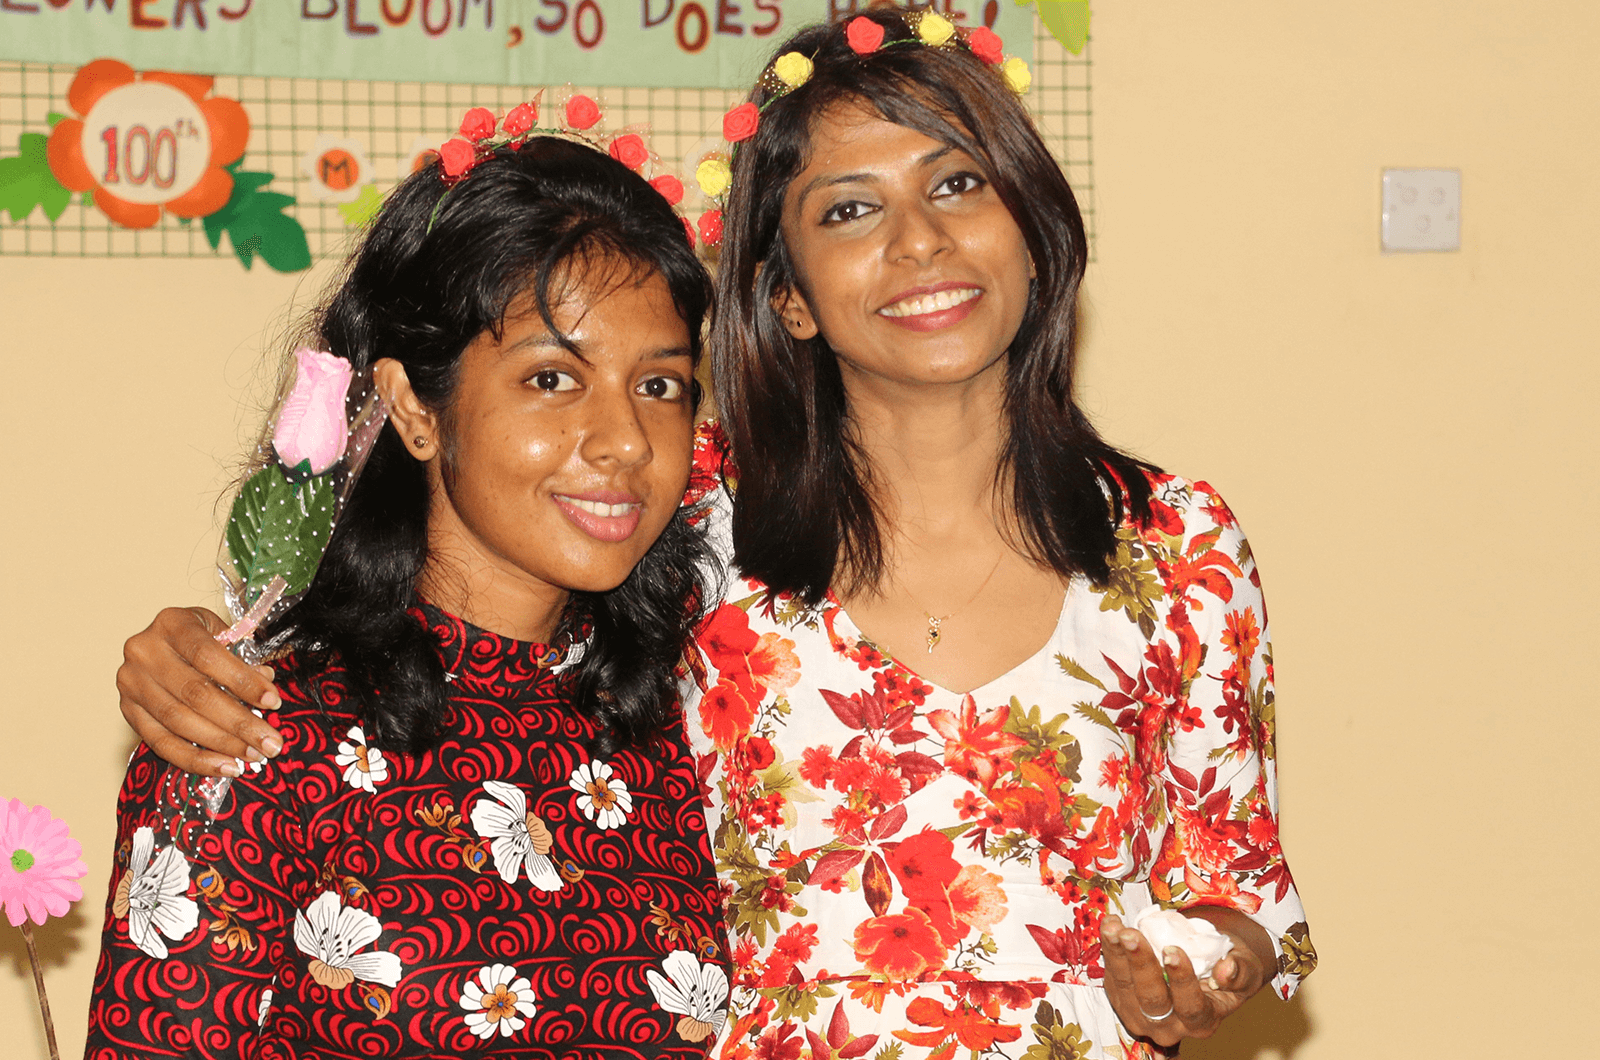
[(1160, 998), (179, 688)]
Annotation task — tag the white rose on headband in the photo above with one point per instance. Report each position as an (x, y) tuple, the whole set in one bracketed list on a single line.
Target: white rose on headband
[(1198, 939)]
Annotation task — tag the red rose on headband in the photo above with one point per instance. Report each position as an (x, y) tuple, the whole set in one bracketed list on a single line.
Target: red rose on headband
[(456, 157), (582, 112), (711, 227), (478, 124), (688, 230), (522, 118), (986, 44), (670, 187), (863, 35), (629, 150), (740, 123)]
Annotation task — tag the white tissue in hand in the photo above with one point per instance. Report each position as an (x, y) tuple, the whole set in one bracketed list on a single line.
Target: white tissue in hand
[(1198, 939)]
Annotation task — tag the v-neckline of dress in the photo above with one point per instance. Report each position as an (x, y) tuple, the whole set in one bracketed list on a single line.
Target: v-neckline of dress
[(843, 613)]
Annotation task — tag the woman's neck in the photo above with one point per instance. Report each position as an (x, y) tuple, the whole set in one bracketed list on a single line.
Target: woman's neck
[(934, 451), (463, 578)]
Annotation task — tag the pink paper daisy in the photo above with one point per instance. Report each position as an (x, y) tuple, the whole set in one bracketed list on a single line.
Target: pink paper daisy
[(39, 864)]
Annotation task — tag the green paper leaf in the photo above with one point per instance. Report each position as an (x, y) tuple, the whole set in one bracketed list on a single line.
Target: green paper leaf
[(54, 117), (256, 224), (278, 528), (360, 213), (1067, 21), (26, 181)]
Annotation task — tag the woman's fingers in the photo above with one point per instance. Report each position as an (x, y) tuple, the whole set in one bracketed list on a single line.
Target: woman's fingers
[(177, 681), (1190, 1004), (1136, 985), (176, 750)]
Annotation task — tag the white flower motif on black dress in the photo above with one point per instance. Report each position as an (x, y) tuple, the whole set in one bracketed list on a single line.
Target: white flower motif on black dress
[(697, 992), (330, 934), (602, 795), (498, 1001), (364, 765), (153, 895), (518, 839)]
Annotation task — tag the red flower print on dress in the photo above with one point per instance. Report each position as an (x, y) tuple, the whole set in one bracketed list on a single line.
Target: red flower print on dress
[(977, 899), (727, 640), (900, 946), (923, 865), (726, 714), (976, 747), (977, 1029), (1242, 634), (773, 664)]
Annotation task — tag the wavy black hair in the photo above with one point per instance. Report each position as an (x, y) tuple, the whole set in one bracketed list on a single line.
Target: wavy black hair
[(805, 511), (438, 268)]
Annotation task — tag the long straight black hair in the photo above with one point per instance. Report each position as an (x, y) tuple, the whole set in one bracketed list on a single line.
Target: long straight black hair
[(438, 268), (805, 512)]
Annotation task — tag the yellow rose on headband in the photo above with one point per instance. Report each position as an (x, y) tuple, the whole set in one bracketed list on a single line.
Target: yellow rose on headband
[(1017, 75), (793, 69), (713, 176), (934, 29)]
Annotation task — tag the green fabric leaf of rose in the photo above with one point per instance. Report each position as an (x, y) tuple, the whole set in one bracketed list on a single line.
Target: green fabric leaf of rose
[(279, 528), (1067, 21)]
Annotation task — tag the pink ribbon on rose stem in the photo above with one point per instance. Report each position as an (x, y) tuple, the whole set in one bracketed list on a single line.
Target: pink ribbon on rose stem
[(246, 626)]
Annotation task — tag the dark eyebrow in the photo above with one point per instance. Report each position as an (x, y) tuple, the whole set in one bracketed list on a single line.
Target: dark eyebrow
[(545, 340), (823, 181)]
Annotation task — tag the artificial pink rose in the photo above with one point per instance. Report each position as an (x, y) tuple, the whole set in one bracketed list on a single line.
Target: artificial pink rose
[(863, 35), (711, 227), (582, 112), (629, 149), (986, 45), (740, 123), (456, 157), (478, 124), (670, 187), (312, 427), (688, 230), (521, 118)]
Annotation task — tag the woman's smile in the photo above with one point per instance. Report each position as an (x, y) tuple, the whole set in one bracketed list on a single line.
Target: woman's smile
[(932, 308), (605, 515)]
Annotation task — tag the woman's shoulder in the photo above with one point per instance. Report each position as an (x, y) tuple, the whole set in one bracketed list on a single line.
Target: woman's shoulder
[(1181, 508)]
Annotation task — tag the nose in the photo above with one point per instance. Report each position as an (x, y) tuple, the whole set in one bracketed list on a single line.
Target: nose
[(614, 435), (918, 234)]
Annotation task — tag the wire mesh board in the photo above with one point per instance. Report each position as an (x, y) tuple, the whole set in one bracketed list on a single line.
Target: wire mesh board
[(391, 121)]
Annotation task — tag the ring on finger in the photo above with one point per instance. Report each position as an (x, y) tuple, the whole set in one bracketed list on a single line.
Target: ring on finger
[(1157, 1019)]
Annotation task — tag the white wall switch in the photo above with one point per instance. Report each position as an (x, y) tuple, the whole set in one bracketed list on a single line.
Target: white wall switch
[(1421, 209)]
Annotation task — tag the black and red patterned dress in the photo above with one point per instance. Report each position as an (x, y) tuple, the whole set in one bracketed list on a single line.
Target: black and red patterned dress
[(506, 893)]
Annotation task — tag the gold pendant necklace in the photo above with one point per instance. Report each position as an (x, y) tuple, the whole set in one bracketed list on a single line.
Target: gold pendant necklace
[(936, 622)]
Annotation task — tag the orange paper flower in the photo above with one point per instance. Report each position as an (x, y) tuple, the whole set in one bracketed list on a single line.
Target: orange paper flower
[(156, 140)]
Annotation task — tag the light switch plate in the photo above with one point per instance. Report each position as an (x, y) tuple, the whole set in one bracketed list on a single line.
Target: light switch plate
[(1421, 209)]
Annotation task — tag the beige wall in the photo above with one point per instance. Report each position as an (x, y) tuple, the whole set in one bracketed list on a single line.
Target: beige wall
[(1407, 438)]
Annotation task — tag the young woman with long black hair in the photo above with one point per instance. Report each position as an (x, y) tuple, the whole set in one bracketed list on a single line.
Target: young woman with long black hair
[(982, 688), (483, 832)]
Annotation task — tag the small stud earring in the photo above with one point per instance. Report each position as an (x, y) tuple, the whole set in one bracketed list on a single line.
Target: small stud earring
[(420, 442)]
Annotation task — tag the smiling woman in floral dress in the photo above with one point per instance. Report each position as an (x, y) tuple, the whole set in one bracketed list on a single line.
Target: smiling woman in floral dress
[(982, 687)]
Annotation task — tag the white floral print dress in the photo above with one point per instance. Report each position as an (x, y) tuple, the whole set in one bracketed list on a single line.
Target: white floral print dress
[(918, 874)]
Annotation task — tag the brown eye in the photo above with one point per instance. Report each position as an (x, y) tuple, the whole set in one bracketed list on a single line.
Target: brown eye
[(550, 379), (662, 387)]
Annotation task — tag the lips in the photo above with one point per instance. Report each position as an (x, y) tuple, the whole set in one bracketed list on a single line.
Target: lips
[(605, 515), (932, 308)]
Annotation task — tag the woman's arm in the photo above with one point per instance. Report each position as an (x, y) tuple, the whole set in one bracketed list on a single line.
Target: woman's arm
[(179, 688), (1220, 859)]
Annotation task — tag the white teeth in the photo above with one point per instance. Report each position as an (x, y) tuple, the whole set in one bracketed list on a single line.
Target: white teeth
[(605, 511), (931, 303)]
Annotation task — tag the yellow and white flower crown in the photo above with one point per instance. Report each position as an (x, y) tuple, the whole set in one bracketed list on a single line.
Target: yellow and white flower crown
[(792, 69)]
